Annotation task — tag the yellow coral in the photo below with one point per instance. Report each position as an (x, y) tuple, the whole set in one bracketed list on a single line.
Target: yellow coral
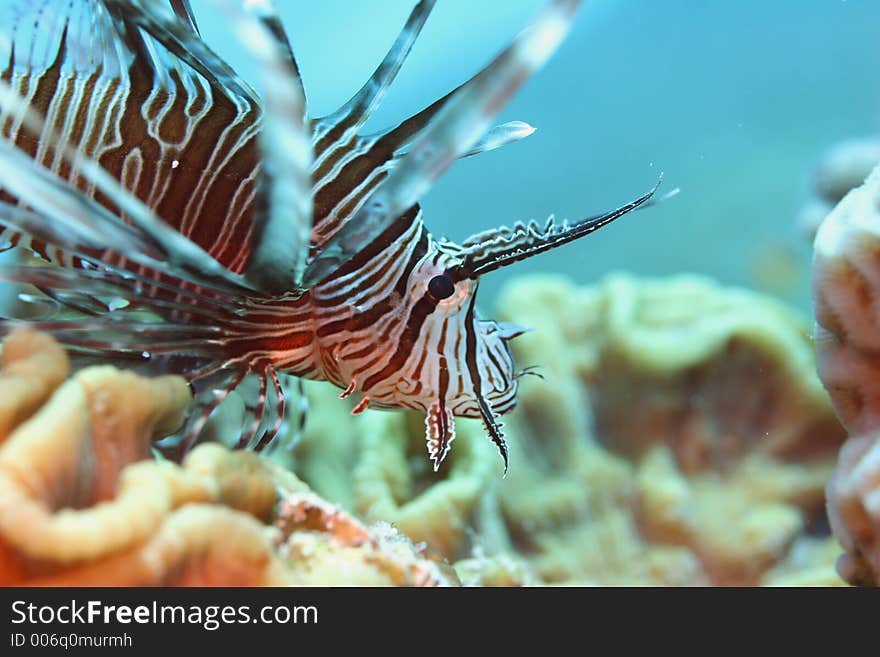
[(81, 502), (704, 403), (680, 437)]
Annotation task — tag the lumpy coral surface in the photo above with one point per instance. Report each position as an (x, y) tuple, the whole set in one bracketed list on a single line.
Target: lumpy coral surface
[(82, 502), (679, 436)]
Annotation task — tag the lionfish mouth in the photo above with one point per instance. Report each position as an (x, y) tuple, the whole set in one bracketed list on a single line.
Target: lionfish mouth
[(496, 248)]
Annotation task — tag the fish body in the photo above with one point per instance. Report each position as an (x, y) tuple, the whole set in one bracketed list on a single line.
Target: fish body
[(257, 239)]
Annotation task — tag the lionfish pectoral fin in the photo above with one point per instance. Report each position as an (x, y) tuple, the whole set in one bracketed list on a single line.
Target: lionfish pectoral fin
[(361, 106), (439, 432), (453, 131), (493, 428)]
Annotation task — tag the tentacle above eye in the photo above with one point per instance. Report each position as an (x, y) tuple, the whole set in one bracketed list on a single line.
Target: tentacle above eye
[(499, 247)]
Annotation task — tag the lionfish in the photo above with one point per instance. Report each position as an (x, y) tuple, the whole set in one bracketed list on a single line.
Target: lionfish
[(222, 234)]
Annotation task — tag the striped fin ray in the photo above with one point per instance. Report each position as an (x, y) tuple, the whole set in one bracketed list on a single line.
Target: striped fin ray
[(210, 392), (264, 413), (265, 13), (275, 422), (362, 105), (162, 23), (132, 337), (36, 28), (254, 412), (282, 222), (116, 290), (457, 126), (184, 11)]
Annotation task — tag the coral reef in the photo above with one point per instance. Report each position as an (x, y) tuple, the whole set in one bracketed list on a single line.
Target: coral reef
[(680, 437), (707, 418), (846, 283), (81, 502), (844, 167)]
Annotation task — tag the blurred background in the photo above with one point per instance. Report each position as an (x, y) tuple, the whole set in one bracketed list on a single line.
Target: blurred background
[(733, 101)]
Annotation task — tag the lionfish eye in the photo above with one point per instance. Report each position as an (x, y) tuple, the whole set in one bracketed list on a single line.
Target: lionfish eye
[(441, 287)]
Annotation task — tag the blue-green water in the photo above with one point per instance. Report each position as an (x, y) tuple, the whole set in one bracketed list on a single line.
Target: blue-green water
[(733, 100)]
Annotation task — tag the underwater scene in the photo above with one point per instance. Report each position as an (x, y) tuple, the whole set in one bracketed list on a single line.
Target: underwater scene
[(243, 344)]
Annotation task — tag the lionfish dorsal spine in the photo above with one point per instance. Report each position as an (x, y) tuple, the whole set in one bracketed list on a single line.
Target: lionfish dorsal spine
[(184, 11), (361, 106), (450, 134)]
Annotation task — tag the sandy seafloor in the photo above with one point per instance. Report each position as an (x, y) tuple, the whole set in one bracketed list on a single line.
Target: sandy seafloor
[(733, 100)]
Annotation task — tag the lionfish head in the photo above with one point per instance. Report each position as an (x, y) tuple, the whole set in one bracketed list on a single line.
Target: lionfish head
[(464, 366)]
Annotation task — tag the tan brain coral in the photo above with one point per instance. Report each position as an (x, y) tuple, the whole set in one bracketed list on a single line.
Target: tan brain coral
[(81, 502), (846, 282), (678, 418), (680, 436)]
